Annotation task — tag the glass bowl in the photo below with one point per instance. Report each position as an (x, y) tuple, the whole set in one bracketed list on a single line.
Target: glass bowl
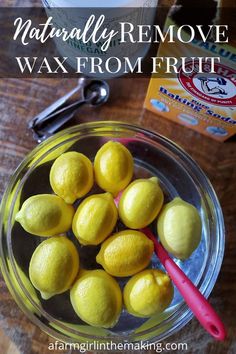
[(154, 155)]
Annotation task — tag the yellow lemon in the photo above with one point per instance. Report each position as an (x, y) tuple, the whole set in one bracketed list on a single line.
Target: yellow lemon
[(96, 298), (140, 203), (54, 266), (148, 293), (113, 166), (45, 215), (179, 228), (71, 176), (95, 219), (125, 253)]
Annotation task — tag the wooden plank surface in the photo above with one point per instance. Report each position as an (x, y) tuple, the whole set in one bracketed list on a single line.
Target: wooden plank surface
[(22, 99)]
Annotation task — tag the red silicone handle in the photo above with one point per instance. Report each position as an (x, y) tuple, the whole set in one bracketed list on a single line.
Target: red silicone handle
[(201, 308)]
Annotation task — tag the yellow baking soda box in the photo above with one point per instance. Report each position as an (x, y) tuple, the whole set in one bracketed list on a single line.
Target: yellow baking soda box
[(201, 101)]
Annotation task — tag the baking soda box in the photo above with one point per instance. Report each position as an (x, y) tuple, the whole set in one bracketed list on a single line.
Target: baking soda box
[(203, 102)]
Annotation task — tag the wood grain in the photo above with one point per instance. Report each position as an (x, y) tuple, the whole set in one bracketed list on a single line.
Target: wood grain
[(22, 99)]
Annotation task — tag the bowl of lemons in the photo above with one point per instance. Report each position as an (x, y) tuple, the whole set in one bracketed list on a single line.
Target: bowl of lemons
[(73, 251)]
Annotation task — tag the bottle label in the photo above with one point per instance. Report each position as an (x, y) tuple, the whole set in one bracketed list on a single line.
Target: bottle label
[(77, 17)]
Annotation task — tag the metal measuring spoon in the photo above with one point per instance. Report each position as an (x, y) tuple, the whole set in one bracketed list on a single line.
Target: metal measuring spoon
[(45, 124)]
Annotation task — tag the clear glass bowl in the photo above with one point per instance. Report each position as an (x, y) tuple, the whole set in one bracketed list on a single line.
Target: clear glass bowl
[(155, 155)]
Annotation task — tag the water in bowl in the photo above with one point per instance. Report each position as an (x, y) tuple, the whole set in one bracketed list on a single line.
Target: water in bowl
[(149, 161)]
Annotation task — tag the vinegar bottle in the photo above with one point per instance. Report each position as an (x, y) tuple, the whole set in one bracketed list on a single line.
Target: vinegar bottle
[(71, 14)]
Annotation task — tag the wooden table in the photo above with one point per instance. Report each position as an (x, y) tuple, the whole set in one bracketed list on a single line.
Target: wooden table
[(22, 99)]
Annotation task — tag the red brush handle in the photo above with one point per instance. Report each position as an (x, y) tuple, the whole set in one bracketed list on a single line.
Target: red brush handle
[(201, 308)]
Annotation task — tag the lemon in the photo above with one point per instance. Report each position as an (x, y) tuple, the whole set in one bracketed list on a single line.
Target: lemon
[(54, 266), (96, 298), (140, 203), (179, 228), (95, 219), (113, 166), (71, 176), (125, 253), (45, 215), (148, 293)]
